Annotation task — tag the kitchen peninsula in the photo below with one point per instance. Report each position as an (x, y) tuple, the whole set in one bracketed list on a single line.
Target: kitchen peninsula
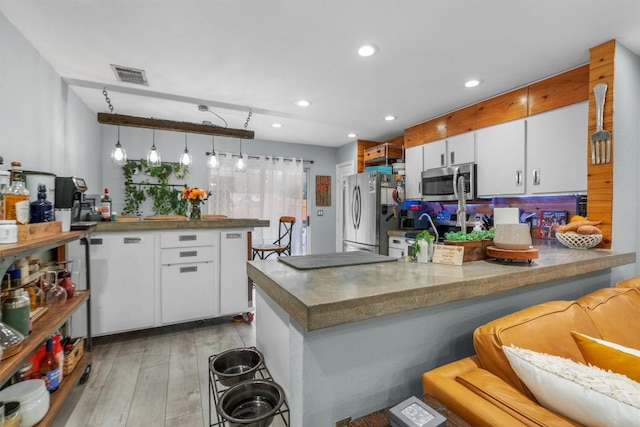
[(147, 273), (348, 341)]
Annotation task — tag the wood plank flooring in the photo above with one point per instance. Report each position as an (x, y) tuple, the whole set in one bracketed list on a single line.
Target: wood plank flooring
[(157, 377)]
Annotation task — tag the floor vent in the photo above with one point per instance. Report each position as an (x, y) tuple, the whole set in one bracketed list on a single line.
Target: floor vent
[(130, 75)]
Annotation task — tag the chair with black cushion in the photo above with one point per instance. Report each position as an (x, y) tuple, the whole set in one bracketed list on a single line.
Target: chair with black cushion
[(282, 245)]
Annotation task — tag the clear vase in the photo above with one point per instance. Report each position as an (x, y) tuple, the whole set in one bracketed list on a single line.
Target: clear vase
[(194, 210)]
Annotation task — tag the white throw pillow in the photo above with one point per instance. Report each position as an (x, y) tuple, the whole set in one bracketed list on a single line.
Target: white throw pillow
[(585, 394)]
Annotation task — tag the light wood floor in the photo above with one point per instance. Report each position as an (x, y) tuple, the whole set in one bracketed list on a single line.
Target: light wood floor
[(153, 378)]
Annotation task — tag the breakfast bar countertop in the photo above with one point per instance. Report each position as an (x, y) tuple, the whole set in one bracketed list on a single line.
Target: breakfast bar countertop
[(146, 225), (327, 297)]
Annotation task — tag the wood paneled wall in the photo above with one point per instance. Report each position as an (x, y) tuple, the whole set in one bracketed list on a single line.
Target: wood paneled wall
[(600, 177)]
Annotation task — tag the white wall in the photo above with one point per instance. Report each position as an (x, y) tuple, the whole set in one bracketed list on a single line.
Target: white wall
[(43, 123), (626, 155)]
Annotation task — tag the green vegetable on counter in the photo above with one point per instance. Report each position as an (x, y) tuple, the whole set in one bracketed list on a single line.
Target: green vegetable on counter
[(460, 236)]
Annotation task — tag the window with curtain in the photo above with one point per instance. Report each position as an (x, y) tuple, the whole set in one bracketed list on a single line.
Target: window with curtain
[(270, 187)]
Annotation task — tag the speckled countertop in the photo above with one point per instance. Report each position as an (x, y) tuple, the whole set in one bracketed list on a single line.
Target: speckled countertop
[(333, 296), (181, 225)]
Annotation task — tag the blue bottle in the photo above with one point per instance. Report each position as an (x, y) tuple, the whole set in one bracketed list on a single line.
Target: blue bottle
[(41, 210)]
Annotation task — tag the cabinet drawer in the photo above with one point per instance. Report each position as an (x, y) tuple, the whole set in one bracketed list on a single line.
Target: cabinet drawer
[(187, 255), (186, 238), (188, 292)]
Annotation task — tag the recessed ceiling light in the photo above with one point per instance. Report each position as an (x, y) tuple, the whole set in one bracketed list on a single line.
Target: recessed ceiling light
[(367, 50), (303, 103), (276, 125), (352, 135), (390, 118), (472, 83)]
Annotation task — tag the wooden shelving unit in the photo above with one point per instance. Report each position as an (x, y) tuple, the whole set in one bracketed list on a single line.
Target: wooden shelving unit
[(50, 321)]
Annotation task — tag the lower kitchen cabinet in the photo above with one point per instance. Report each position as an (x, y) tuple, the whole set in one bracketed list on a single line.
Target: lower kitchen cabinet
[(123, 282), (188, 292), (234, 284)]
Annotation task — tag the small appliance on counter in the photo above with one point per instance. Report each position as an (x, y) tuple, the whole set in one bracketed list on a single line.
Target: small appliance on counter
[(68, 201), (34, 178), (410, 218)]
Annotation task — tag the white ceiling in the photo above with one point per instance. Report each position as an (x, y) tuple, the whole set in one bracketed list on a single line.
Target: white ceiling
[(264, 55)]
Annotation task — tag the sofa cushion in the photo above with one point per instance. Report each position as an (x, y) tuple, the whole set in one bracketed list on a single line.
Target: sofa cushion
[(615, 313), (609, 356), (502, 395), (586, 394), (543, 327)]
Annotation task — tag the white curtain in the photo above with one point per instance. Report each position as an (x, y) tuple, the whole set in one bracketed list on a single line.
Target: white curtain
[(269, 188)]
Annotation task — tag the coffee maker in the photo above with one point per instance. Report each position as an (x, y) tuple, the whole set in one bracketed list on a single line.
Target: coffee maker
[(69, 195)]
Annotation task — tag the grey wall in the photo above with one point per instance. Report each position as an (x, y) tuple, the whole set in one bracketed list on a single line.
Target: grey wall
[(171, 144), (43, 123), (626, 150), (347, 152)]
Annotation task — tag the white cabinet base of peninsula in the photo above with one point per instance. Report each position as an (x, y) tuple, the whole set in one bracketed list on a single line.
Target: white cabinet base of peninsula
[(234, 284), (122, 283)]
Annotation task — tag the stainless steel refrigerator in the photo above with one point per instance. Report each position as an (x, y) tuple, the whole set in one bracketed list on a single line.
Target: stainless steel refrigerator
[(368, 212)]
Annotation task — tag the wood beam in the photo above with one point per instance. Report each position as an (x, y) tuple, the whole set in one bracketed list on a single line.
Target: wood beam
[(170, 125)]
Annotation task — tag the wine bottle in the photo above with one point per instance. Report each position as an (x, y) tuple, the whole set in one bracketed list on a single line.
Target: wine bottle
[(50, 368), (105, 206)]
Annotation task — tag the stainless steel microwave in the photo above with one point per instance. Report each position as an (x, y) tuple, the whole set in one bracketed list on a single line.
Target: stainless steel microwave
[(441, 184)]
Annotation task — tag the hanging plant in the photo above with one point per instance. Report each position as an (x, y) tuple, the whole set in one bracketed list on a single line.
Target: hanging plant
[(166, 197)]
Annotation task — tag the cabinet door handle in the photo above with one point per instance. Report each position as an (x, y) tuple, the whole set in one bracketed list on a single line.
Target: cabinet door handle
[(132, 240), (95, 241), (518, 177), (233, 235), (536, 177), (453, 158), (186, 254), (187, 238), (442, 159), (395, 241), (193, 269)]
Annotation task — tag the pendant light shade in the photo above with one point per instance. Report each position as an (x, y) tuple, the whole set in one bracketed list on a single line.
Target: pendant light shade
[(153, 156), (185, 158), (212, 160), (118, 154)]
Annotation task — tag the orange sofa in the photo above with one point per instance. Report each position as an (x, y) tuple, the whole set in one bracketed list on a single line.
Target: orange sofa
[(485, 391)]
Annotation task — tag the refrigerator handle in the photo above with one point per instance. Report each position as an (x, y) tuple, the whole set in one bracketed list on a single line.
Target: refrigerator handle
[(358, 207), (353, 206)]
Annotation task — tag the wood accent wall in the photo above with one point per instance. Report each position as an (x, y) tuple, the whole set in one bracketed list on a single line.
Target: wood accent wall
[(363, 144), (557, 91), (600, 177)]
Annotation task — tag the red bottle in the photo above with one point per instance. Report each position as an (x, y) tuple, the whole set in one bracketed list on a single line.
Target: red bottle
[(50, 368)]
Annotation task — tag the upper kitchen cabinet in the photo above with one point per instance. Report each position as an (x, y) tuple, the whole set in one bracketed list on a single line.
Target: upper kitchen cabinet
[(413, 171), (452, 151), (557, 149), (501, 159)]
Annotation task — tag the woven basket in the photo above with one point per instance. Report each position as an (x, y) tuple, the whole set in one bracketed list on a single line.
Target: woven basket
[(574, 240), (72, 358)]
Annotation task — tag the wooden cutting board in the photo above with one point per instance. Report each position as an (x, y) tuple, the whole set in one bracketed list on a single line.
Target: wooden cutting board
[(165, 218), (506, 254), (126, 218)]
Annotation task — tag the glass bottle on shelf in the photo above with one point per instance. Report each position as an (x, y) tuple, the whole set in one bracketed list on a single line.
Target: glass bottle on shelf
[(105, 206), (50, 367), (41, 210), (56, 295), (5, 183), (16, 199)]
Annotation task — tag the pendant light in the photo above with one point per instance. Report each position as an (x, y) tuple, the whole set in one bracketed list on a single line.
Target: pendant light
[(153, 156), (118, 154), (212, 160), (240, 166), (185, 158)]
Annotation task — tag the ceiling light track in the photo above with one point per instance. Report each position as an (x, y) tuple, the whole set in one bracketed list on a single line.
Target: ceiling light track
[(173, 126)]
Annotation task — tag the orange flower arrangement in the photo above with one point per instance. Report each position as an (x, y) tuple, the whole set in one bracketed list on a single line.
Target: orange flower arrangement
[(195, 194)]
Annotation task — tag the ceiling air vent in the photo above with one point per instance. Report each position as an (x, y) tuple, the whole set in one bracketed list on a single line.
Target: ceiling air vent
[(130, 75)]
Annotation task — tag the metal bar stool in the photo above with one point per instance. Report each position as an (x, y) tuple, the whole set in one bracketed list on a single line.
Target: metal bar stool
[(280, 246)]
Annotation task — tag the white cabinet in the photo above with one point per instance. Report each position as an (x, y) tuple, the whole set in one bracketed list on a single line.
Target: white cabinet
[(501, 159), (188, 282), (557, 149), (413, 171), (234, 283), (123, 278), (434, 154), (454, 150)]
